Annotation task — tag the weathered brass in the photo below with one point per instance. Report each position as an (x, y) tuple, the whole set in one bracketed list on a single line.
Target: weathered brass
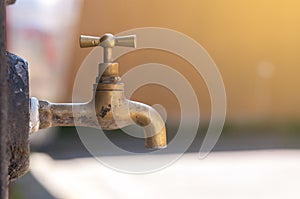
[(109, 105)]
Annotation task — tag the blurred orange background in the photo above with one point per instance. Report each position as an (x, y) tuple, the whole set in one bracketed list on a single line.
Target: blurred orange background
[(255, 45)]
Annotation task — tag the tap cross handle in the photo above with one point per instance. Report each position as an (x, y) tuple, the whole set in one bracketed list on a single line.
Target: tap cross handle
[(107, 41)]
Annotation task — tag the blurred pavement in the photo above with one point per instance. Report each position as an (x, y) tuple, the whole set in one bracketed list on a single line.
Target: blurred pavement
[(248, 174)]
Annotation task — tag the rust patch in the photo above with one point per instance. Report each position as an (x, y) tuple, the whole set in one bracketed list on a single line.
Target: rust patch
[(17, 130), (45, 114), (104, 110), (140, 119)]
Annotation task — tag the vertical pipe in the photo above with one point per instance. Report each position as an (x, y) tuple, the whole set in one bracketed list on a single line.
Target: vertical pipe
[(3, 106), (107, 55)]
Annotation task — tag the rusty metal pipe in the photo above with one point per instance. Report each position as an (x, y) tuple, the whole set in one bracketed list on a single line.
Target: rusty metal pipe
[(62, 114)]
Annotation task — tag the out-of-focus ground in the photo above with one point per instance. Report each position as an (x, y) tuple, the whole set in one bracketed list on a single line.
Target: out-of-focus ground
[(252, 174), (263, 163)]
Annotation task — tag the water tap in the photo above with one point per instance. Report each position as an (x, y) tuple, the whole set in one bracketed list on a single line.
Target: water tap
[(108, 109)]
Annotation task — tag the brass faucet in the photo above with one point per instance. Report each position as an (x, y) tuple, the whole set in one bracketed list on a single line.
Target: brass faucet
[(108, 105)]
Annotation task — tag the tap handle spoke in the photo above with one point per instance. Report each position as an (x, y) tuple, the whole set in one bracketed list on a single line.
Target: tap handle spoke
[(88, 41), (126, 41)]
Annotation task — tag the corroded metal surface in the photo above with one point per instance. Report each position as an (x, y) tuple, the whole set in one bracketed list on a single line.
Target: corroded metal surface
[(62, 114), (14, 106), (17, 142)]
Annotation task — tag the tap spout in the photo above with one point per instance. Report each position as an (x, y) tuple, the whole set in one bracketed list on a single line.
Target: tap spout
[(154, 126)]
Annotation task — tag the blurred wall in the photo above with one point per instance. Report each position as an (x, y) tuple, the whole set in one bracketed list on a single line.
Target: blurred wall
[(41, 31), (255, 45)]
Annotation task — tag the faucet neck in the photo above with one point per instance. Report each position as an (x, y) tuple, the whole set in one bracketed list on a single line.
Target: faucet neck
[(108, 78), (108, 73)]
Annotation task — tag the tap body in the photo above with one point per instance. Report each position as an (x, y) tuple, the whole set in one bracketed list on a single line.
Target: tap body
[(108, 109)]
